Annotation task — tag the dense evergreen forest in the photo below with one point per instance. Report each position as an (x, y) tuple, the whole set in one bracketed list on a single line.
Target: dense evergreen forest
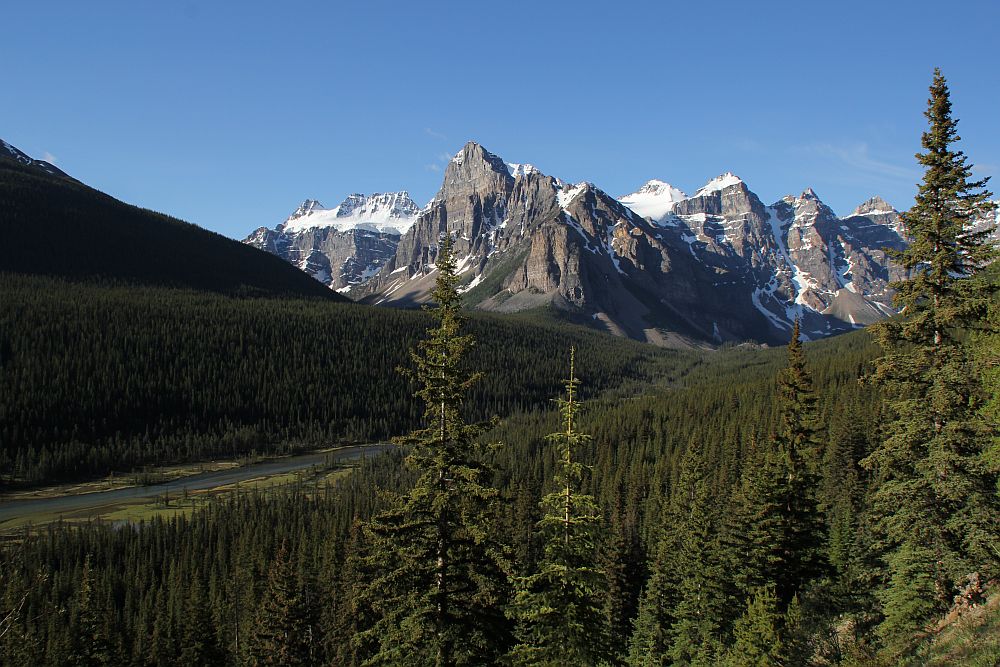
[(821, 504), (99, 377)]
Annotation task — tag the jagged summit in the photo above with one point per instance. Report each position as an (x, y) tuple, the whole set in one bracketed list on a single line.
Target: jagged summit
[(389, 212), (808, 198), (718, 183), (874, 206), (305, 208), (516, 170), (656, 186), (474, 170), (474, 154), (655, 199), (656, 265), (343, 246)]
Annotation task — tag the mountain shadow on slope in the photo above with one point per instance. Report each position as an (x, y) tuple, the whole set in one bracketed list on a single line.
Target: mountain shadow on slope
[(56, 226)]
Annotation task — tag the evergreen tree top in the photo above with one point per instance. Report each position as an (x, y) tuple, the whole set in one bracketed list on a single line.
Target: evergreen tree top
[(948, 201)]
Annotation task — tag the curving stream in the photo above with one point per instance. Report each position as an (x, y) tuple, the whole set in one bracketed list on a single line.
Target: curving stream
[(13, 509)]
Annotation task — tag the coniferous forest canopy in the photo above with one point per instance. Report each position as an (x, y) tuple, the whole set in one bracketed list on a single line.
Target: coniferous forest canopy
[(559, 497)]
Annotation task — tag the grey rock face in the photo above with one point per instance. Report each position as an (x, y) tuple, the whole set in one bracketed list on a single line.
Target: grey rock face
[(341, 247), (717, 266), (538, 241)]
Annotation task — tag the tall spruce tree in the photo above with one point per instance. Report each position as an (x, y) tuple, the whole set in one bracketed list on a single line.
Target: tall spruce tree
[(774, 532), (559, 607), (797, 447), (651, 632), (753, 530), (935, 506), (701, 614), (441, 587)]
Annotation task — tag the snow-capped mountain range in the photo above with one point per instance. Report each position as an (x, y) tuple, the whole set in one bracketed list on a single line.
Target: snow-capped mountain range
[(390, 212), (342, 246), (656, 264)]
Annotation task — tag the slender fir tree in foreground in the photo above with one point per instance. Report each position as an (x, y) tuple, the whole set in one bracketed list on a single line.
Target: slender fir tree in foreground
[(797, 447), (559, 608), (935, 505), (440, 588)]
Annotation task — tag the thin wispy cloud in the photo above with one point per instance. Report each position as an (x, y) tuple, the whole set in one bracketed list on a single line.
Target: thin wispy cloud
[(858, 157), (434, 135), (432, 167), (49, 157)]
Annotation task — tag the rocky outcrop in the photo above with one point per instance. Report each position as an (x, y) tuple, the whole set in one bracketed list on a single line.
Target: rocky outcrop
[(345, 246), (716, 266)]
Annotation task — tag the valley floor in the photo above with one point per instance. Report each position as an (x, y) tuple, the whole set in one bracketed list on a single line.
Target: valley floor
[(179, 489)]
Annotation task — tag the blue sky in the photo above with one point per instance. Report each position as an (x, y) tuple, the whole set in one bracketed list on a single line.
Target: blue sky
[(230, 114)]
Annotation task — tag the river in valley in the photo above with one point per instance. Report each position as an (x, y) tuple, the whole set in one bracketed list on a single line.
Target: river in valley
[(13, 509)]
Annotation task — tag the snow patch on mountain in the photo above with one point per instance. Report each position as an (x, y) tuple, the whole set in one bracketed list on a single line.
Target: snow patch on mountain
[(718, 183), (800, 279), (653, 200), (390, 213), (521, 169), (568, 194)]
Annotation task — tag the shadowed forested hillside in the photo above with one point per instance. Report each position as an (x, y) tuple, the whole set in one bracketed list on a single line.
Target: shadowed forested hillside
[(97, 377), (57, 226)]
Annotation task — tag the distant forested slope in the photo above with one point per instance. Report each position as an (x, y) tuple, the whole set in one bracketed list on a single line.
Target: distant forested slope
[(101, 377), (56, 226)]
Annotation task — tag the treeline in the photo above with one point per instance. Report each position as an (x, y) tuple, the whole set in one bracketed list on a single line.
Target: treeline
[(95, 378)]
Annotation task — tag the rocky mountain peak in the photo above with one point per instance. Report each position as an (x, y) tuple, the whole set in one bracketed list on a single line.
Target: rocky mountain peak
[(719, 183), (655, 199), (874, 206), (809, 208), (389, 212), (474, 157), (305, 208), (655, 264), (474, 170), (379, 204), (656, 186)]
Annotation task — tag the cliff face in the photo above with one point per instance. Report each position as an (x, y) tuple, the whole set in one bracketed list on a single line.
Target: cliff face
[(715, 266), (344, 246)]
